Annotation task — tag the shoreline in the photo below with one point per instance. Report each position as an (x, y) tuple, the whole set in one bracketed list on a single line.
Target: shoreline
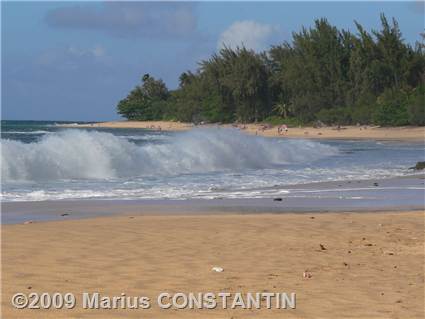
[(364, 132), (389, 194), (375, 259)]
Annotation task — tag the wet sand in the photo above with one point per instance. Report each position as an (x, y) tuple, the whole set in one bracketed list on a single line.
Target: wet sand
[(408, 133), (370, 265)]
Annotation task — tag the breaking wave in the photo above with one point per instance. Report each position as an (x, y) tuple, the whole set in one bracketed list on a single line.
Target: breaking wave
[(79, 154)]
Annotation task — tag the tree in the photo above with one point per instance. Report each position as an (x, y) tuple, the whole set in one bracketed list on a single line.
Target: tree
[(392, 108), (416, 106), (145, 102), (313, 71), (324, 73), (241, 79), (281, 109)]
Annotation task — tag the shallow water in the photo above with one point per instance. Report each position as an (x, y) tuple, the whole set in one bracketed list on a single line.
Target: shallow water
[(41, 161)]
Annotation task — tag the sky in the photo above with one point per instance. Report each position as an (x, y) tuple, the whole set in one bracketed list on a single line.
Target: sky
[(77, 60)]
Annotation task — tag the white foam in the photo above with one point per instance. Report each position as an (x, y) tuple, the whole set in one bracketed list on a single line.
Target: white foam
[(80, 154)]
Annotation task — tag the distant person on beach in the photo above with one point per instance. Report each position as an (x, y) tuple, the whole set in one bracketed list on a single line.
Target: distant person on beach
[(282, 129)]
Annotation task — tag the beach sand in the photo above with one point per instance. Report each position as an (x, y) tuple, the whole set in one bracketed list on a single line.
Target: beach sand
[(346, 132), (372, 264), (152, 125)]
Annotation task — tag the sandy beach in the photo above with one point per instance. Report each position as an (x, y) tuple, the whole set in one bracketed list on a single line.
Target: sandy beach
[(346, 132), (358, 265), (151, 125)]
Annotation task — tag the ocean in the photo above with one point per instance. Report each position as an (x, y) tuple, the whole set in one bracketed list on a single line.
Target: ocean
[(41, 161)]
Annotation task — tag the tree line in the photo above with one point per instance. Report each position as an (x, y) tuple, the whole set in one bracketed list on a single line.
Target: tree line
[(323, 74)]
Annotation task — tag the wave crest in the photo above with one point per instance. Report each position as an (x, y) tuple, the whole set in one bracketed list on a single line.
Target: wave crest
[(79, 154)]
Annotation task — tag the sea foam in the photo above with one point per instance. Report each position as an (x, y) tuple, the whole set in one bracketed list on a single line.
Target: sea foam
[(80, 154)]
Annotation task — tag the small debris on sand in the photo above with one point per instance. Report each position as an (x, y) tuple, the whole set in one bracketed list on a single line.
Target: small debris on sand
[(217, 269), (322, 247)]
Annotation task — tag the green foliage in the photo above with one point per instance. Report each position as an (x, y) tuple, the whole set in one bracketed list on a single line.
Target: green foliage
[(392, 108), (240, 78), (340, 116), (323, 74), (146, 102), (315, 69), (212, 111), (416, 106), (362, 114), (277, 120)]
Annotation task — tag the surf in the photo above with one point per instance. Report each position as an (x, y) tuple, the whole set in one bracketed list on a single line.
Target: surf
[(80, 154)]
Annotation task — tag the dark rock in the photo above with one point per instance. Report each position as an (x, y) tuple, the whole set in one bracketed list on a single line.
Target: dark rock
[(65, 214), (418, 166), (322, 247), (278, 199), (375, 184)]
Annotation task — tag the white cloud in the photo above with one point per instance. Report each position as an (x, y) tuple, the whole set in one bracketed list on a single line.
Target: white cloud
[(251, 34)]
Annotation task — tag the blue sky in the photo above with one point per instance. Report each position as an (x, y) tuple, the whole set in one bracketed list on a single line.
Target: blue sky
[(75, 61)]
